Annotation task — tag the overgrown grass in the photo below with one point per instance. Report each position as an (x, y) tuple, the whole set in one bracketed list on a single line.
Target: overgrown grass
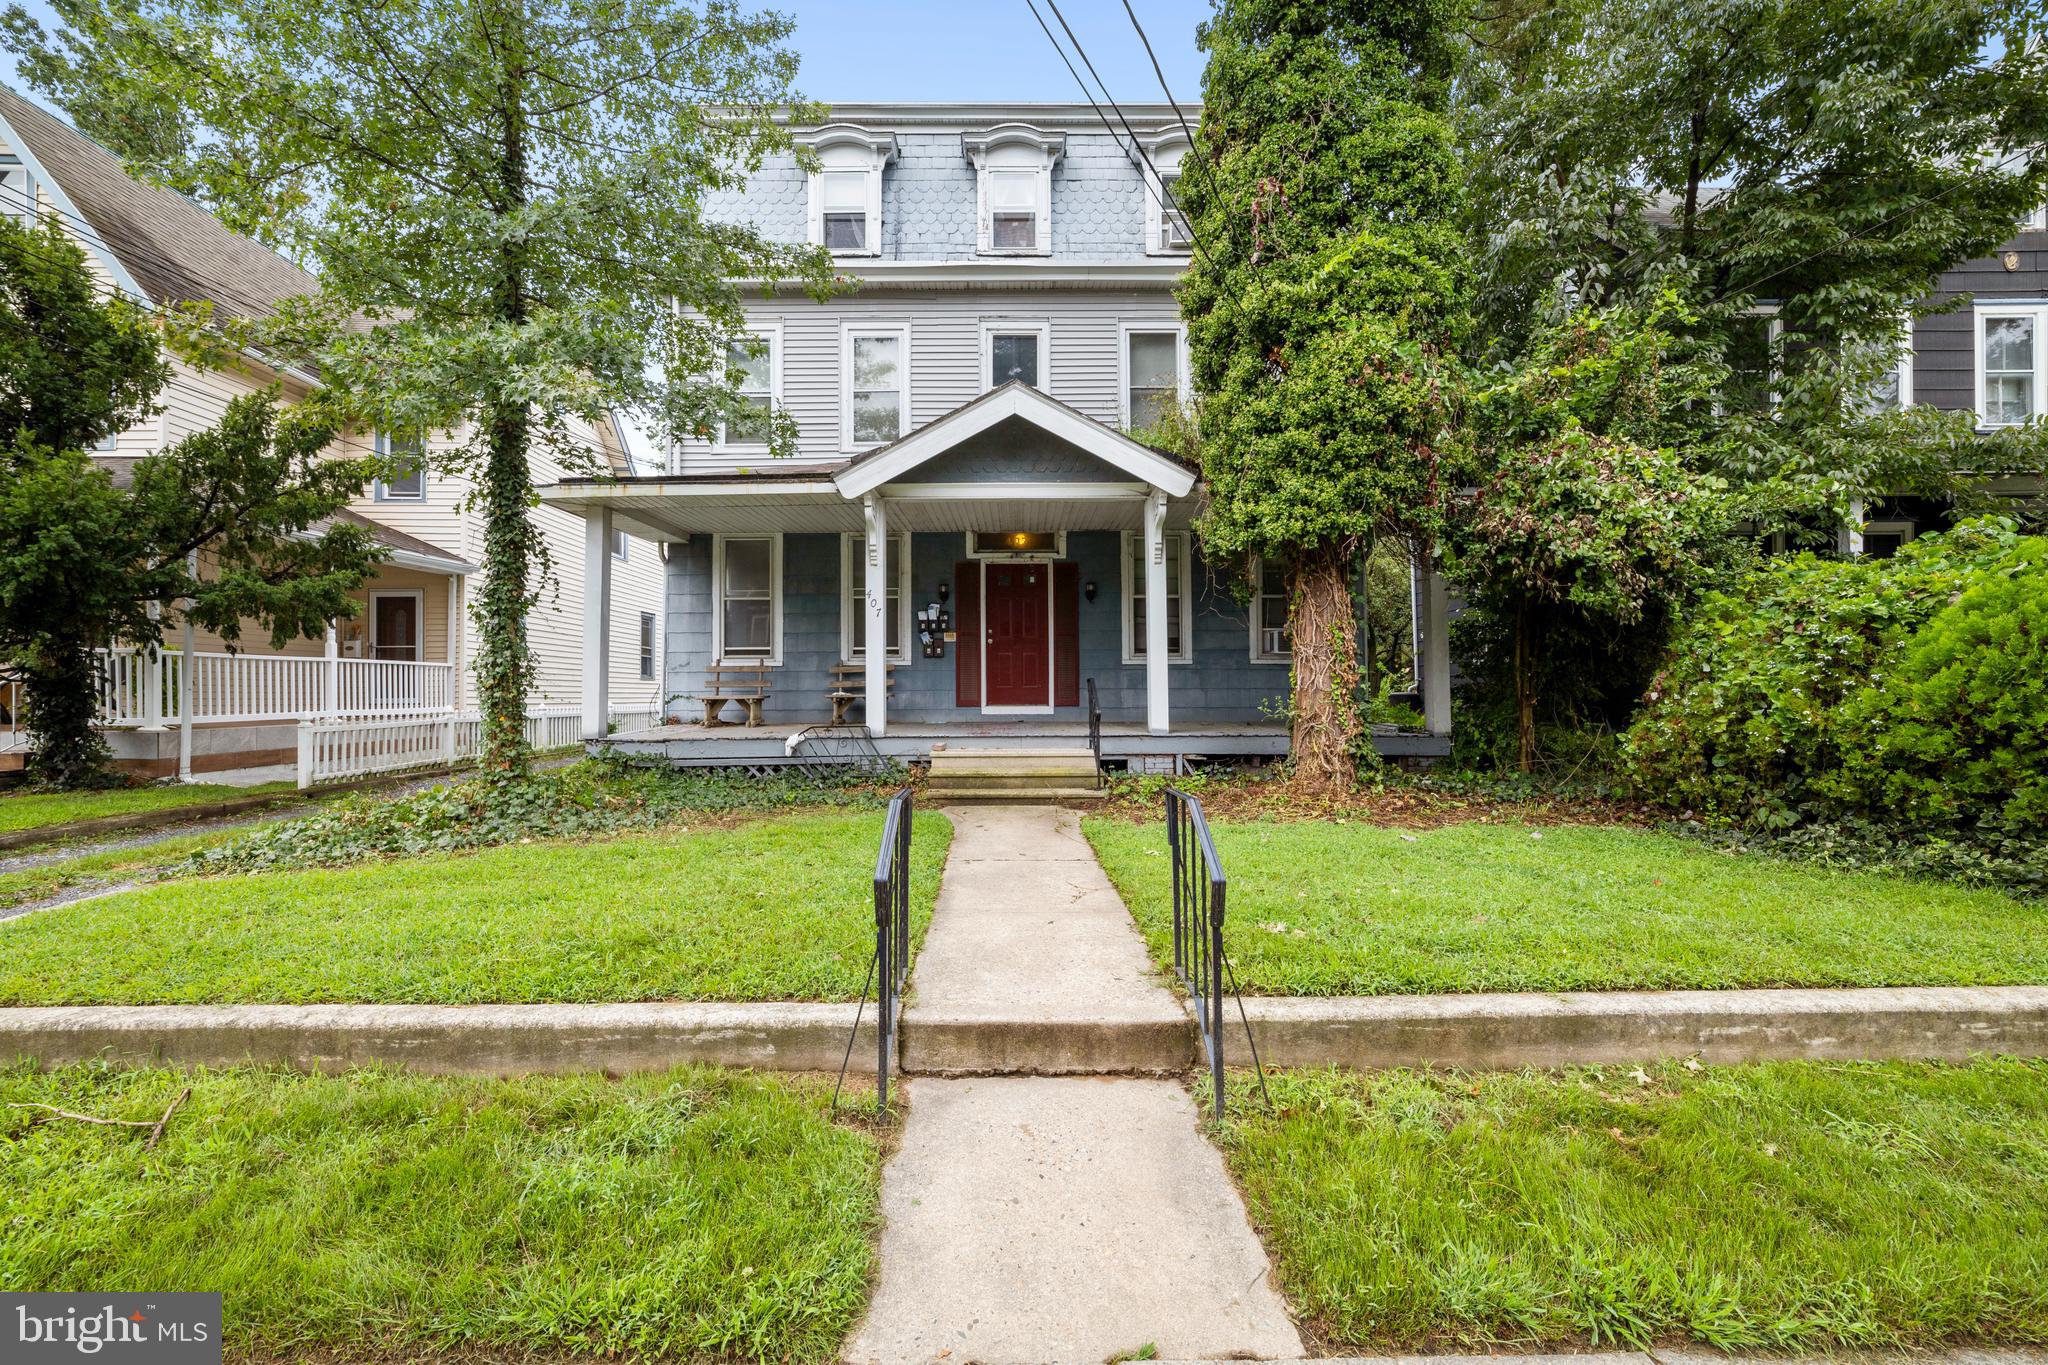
[(776, 908), (1789, 1206), (24, 810), (380, 1216), (1330, 908)]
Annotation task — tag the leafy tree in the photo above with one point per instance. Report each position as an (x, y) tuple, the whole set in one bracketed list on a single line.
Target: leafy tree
[(1824, 158), (1325, 307), (502, 199), (84, 558)]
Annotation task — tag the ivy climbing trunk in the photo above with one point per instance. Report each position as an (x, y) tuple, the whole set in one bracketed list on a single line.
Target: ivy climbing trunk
[(505, 670), (1526, 628), (1326, 722), (62, 682)]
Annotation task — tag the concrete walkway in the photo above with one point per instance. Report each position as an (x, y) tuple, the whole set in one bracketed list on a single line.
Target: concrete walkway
[(1054, 1218), (1032, 964)]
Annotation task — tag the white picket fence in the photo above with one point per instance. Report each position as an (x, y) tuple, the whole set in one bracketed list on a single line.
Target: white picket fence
[(13, 735), (252, 687), (337, 750)]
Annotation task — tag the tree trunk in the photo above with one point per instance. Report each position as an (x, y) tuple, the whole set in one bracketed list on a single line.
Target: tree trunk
[(504, 671), (63, 691), (1325, 627), (504, 666), (1525, 688)]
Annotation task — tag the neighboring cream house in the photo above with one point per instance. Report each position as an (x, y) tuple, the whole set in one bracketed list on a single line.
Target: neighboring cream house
[(392, 683)]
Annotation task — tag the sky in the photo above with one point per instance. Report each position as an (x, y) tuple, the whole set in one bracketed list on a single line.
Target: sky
[(960, 49)]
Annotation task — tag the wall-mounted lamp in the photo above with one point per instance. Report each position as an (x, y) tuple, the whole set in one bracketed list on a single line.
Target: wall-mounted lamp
[(942, 590), (1088, 590)]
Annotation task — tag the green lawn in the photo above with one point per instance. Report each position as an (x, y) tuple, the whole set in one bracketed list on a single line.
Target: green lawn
[(43, 810), (378, 1215), (37, 883), (1320, 908), (775, 909), (1789, 1206)]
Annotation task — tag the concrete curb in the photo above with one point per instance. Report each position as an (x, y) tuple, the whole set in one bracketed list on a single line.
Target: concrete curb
[(1581, 1028), (1035, 1047), (487, 1040)]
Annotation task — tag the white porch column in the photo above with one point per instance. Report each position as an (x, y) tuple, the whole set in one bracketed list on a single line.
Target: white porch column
[(187, 677), (1156, 667), (1849, 541), (454, 649), (330, 675), (597, 621), (153, 679), (1436, 647), (876, 517)]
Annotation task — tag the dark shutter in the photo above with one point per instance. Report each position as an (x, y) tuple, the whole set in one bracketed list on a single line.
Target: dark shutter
[(967, 629), (1066, 635)]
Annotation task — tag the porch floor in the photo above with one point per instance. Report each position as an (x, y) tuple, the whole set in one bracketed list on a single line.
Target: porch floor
[(700, 746)]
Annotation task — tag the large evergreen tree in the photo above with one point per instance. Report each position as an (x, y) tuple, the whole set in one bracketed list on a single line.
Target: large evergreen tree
[(1325, 306), (502, 199)]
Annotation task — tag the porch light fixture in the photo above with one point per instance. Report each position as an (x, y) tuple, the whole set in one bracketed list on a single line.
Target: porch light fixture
[(943, 590), (1088, 590)]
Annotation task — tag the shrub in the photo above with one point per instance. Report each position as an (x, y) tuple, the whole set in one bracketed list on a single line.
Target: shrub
[(1818, 688)]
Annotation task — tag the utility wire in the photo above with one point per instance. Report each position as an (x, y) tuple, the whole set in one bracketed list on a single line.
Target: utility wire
[(1194, 152)]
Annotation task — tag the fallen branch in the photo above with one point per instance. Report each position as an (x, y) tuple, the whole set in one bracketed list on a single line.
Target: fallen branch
[(156, 1129)]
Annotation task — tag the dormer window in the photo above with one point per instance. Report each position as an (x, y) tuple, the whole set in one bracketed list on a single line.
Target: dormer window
[(1014, 188), (846, 189), (1167, 232)]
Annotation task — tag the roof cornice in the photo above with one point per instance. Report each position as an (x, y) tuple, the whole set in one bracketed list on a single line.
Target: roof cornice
[(1147, 273)]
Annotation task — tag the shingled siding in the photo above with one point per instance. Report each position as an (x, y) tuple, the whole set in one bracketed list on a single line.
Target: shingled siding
[(1221, 684), (1098, 205), (1083, 366)]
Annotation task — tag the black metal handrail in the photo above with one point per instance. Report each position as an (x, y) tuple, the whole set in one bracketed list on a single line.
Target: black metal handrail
[(1095, 730), (890, 965), (1200, 891)]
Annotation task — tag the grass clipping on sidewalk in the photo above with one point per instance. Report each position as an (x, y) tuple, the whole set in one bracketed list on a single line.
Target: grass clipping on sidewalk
[(1784, 1206), (377, 1215)]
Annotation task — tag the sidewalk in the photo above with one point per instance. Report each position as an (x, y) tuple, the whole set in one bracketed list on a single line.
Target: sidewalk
[(1054, 1219)]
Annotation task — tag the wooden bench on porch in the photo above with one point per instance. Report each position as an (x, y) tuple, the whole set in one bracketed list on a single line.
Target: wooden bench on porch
[(850, 685), (744, 685)]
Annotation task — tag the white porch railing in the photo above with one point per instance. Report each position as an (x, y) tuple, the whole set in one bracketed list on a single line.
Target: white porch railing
[(252, 687), (337, 750), (13, 735)]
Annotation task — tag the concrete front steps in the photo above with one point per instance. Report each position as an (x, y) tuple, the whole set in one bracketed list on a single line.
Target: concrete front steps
[(1013, 777)]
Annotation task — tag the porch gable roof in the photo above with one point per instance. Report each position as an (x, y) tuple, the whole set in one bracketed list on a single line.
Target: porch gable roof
[(1014, 400)]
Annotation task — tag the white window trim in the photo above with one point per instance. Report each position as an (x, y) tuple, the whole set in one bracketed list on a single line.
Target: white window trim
[(1168, 153), (770, 332), (847, 332), (774, 659), (380, 491), (1253, 616), (622, 545), (1905, 530), (1058, 550), (1177, 543), (419, 622), (853, 578), (991, 328), (1124, 332), (846, 147), (1772, 335), (2036, 219), (648, 661), (1013, 147), (1989, 312)]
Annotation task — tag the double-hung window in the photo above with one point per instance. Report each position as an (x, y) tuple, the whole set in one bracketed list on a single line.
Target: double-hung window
[(1752, 358), (621, 545), (405, 469), (1167, 232), (647, 644), (1178, 646), (754, 368), (1014, 351), (843, 207), (876, 384), (2009, 383), (853, 609), (1013, 210), (846, 188), (1152, 374), (1013, 192), (747, 578), (1272, 641)]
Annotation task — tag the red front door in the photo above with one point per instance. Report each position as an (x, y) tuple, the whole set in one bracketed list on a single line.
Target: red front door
[(1017, 611)]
